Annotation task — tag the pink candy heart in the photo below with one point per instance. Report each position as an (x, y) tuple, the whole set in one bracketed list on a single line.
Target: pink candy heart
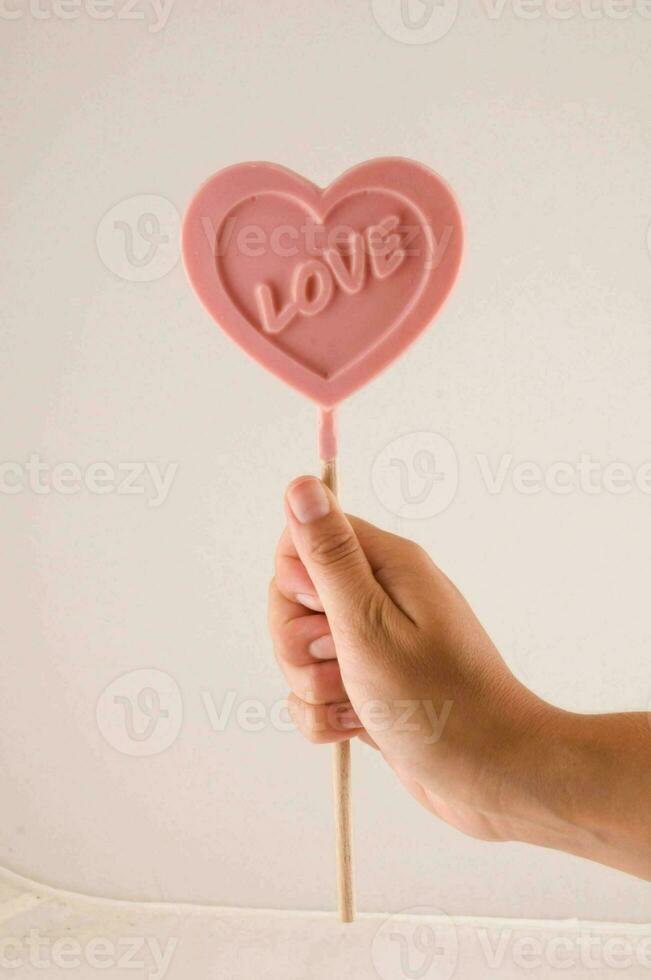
[(323, 287)]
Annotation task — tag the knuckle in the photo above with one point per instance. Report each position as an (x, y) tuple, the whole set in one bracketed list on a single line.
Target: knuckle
[(315, 737), (311, 730), (312, 721), (297, 713), (415, 554), (313, 727), (312, 687), (334, 547), (322, 737), (286, 634), (375, 609), (272, 604), (280, 652), (370, 617), (418, 551), (289, 637)]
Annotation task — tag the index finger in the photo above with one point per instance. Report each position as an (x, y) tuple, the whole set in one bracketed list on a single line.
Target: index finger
[(292, 577)]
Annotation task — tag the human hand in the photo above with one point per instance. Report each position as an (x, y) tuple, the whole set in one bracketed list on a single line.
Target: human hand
[(376, 642)]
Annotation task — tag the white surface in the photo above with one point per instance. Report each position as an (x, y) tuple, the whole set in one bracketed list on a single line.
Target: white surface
[(541, 126), (44, 930)]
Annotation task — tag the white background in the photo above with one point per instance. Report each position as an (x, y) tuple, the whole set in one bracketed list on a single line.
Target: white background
[(542, 127)]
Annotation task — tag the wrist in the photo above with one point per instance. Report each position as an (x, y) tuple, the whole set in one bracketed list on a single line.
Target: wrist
[(547, 770), (582, 787)]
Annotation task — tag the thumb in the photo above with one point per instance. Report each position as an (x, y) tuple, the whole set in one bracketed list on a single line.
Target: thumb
[(330, 551)]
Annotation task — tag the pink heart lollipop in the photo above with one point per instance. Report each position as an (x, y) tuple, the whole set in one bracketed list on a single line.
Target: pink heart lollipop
[(324, 288)]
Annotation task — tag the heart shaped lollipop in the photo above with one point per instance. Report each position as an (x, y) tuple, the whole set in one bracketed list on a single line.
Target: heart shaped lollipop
[(324, 288)]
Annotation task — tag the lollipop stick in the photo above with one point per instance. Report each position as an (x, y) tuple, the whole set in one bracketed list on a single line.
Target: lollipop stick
[(341, 759), (343, 818)]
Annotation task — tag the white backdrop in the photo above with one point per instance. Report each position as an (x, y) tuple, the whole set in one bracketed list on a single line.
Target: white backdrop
[(541, 124)]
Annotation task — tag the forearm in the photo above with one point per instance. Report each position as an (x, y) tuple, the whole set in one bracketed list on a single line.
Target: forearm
[(588, 789)]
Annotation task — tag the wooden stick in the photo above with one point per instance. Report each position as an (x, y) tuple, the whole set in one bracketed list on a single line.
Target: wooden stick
[(342, 781)]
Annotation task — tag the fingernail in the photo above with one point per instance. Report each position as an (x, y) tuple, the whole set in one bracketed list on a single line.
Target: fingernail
[(349, 719), (308, 500), (311, 601), (323, 648)]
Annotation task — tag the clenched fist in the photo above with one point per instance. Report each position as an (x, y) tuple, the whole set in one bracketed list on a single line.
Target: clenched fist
[(376, 642)]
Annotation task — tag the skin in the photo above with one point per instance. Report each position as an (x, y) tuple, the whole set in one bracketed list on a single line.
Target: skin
[(403, 664)]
